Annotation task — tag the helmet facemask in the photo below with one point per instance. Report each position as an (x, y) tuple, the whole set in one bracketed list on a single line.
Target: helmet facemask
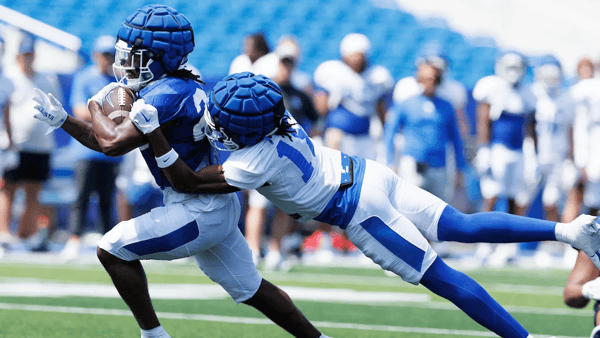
[(511, 67), (217, 136), (549, 75), (132, 66)]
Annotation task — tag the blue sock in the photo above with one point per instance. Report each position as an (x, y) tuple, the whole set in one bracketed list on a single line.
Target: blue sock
[(472, 299), (492, 227)]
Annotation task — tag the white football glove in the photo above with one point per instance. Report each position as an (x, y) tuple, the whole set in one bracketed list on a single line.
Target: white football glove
[(483, 160), (144, 116), (50, 110), (99, 97), (591, 289)]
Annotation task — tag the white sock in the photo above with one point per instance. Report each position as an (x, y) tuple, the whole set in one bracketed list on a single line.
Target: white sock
[(324, 336), (157, 332)]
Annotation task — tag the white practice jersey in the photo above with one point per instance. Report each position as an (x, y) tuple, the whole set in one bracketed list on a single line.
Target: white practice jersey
[(449, 90), (509, 109), (553, 122), (585, 96), (266, 65), (272, 167), (358, 93)]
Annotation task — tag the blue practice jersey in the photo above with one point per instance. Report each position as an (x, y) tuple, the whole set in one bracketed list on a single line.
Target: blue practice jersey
[(427, 125), (180, 104)]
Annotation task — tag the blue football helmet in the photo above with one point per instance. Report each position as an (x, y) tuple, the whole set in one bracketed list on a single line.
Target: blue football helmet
[(154, 40), (243, 109), (511, 66), (549, 72)]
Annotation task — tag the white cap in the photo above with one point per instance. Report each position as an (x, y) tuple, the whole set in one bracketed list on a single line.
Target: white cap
[(105, 44), (287, 50), (355, 43)]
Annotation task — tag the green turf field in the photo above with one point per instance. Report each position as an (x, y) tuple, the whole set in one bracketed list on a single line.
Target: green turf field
[(79, 301)]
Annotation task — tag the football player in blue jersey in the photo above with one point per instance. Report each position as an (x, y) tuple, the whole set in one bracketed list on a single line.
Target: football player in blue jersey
[(152, 45), (388, 219)]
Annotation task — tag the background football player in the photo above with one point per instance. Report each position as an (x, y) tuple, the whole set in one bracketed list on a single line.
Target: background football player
[(387, 218), (504, 110), (352, 95)]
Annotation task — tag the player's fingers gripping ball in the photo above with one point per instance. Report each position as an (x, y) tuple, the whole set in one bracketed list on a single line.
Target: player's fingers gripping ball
[(243, 108)]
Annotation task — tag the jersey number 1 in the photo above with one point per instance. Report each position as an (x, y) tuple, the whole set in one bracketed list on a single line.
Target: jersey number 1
[(292, 154)]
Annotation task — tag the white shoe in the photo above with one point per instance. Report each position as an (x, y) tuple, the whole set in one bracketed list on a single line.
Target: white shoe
[(71, 250), (502, 255), (583, 234), (272, 260)]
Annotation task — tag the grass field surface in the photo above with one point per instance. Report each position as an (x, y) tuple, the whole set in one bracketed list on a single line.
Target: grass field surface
[(45, 299)]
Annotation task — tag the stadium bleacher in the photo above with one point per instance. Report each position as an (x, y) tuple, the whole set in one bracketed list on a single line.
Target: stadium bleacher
[(319, 25)]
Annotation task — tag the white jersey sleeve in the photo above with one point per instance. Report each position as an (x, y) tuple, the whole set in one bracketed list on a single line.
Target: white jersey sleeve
[(241, 63), (484, 89), (247, 168), (380, 77), (405, 88)]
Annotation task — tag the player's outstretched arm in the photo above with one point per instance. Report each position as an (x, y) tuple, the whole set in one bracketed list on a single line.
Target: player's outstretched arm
[(183, 179), (51, 111)]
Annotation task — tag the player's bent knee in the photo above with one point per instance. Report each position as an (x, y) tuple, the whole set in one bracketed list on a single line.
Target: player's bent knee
[(106, 257)]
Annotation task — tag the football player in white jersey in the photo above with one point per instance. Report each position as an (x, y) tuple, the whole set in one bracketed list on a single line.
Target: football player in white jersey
[(350, 92), (388, 219), (152, 45), (553, 131), (585, 96), (504, 108), (353, 96), (504, 111)]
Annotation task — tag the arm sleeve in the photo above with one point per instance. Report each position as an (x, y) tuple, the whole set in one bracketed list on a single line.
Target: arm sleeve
[(245, 170)]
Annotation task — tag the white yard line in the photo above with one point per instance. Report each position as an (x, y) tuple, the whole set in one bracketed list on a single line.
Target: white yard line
[(247, 320), (24, 287)]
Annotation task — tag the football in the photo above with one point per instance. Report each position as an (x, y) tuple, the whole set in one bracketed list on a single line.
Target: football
[(117, 103)]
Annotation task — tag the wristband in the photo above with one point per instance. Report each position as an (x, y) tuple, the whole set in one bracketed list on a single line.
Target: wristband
[(167, 159)]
